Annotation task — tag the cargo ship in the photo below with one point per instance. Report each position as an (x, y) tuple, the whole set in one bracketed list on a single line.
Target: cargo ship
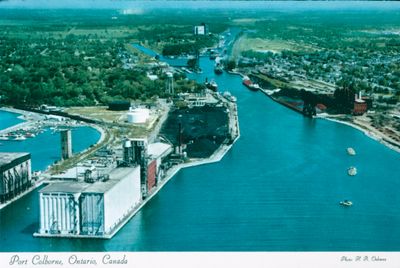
[(249, 84)]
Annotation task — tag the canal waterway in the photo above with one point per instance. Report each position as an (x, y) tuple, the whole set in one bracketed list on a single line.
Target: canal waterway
[(277, 189)]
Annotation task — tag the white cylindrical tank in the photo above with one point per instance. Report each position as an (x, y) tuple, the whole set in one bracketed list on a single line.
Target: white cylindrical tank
[(139, 115)]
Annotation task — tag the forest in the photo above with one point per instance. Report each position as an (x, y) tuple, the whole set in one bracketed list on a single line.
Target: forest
[(84, 58)]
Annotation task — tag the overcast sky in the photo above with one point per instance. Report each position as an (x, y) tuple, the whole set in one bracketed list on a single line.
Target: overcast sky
[(121, 4)]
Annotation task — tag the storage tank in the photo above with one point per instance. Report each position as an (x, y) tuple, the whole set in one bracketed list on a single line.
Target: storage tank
[(139, 115)]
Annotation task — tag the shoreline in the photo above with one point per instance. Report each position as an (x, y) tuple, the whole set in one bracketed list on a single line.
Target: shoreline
[(372, 135), (375, 135)]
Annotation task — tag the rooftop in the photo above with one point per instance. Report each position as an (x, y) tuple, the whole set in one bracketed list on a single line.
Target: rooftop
[(7, 158), (158, 149), (65, 187), (97, 187)]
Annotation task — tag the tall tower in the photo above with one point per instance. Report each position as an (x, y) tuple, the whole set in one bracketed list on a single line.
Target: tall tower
[(128, 153), (169, 84), (66, 144), (140, 158)]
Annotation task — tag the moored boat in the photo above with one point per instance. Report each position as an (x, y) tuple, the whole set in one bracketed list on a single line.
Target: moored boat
[(213, 55), (249, 84), (19, 138), (218, 69), (212, 85)]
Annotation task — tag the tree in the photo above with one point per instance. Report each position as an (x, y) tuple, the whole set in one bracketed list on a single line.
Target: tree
[(230, 65), (344, 98), (192, 63)]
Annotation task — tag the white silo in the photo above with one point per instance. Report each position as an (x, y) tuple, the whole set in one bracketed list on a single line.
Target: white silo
[(139, 115)]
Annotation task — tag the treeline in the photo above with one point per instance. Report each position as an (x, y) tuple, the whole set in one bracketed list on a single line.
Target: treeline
[(73, 71)]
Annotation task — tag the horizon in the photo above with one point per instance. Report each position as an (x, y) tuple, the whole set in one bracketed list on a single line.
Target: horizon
[(194, 4)]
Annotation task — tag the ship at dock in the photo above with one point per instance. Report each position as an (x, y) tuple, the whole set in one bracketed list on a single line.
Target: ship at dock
[(213, 55), (218, 68), (211, 85), (249, 84)]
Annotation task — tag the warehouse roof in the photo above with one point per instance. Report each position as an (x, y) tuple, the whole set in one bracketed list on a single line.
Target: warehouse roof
[(159, 149), (83, 187), (8, 158), (65, 187), (115, 176)]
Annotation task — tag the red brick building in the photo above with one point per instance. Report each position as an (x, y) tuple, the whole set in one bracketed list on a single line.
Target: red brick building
[(360, 107)]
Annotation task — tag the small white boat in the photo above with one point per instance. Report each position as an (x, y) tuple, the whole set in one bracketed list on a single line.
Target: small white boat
[(352, 171), (351, 151), (20, 138), (4, 138), (346, 203)]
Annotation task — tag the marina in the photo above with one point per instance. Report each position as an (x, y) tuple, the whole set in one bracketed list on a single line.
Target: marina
[(44, 156)]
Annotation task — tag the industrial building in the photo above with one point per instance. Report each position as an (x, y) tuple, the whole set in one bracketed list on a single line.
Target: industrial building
[(66, 144), (95, 200), (149, 158), (201, 29), (15, 174), (360, 106), (138, 115), (94, 207)]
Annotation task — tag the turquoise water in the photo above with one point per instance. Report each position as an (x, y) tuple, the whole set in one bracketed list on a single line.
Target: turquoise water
[(8, 119), (278, 189), (45, 149)]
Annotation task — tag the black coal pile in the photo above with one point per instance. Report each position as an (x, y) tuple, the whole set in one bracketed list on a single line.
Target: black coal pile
[(202, 129)]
